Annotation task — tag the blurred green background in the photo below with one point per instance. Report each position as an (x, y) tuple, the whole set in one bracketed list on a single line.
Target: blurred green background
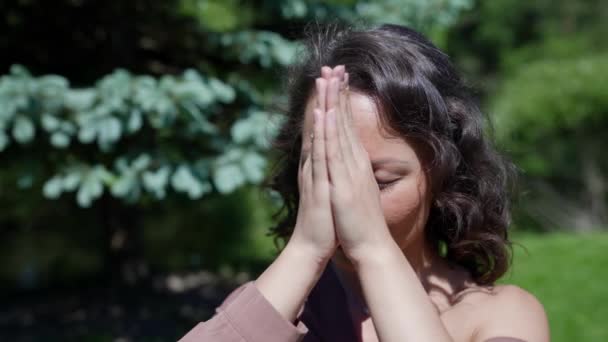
[(134, 136)]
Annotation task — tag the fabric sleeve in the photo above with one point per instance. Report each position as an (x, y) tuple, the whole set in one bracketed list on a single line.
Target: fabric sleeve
[(246, 316), (504, 339)]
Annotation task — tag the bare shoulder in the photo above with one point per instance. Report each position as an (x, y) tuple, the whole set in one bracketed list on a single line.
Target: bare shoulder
[(510, 311)]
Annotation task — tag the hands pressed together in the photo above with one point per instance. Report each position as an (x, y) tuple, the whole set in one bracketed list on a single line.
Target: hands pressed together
[(339, 197)]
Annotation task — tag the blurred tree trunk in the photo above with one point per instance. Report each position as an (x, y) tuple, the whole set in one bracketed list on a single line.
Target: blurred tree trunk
[(124, 262), (584, 208), (595, 184)]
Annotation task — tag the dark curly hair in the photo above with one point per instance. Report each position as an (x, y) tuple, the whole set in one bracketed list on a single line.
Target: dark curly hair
[(421, 97)]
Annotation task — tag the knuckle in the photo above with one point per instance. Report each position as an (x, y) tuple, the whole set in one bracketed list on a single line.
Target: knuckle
[(317, 157), (306, 162), (323, 184), (333, 155), (321, 192)]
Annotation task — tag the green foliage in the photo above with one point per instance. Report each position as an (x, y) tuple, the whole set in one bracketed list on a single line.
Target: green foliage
[(555, 47), (266, 48), (166, 104), (549, 104), (497, 36), (218, 15), (224, 16), (551, 116), (134, 135), (423, 15), (539, 67)]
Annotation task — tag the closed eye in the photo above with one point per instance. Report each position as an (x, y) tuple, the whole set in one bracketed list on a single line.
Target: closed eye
[(383, 186)]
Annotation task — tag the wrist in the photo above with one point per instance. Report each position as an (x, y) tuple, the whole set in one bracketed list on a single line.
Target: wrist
[(376, 256), (294, 267), (307, 254)]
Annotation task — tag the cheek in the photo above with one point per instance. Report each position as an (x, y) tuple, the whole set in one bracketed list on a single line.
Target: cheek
[(404, 208), (400, 205)]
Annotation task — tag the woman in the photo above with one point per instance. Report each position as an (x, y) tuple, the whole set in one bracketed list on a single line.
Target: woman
[(398, 207)]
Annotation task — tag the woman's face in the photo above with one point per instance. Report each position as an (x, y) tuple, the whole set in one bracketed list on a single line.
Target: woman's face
[(405, 201)]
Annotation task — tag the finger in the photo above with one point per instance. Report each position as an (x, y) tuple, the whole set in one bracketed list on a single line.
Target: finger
[(337, 172), (302, 169), (353, 134), (359, 153), (319, 163), (338, 71), (326, 72), (346, 89), (307, 181), (302, 153), (348, 114), (321, 87), (304, 148), (344, 129), (345, 81), (333, 94)]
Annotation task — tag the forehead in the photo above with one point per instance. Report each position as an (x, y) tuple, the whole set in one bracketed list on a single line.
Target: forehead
[(376, 140)]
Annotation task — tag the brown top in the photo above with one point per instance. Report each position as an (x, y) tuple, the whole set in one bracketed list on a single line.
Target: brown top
[(246, 316)]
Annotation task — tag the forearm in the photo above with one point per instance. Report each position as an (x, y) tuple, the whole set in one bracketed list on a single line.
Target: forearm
[(289, 279), (400, 307)]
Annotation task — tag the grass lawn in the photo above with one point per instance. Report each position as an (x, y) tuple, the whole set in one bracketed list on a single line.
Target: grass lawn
[(567, 273)]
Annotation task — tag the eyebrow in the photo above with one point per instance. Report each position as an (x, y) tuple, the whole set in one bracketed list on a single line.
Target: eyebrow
[(375, 162), (380, 161)]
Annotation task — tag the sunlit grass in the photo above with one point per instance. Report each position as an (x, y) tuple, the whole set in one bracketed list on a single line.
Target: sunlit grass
[(567, 273)]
